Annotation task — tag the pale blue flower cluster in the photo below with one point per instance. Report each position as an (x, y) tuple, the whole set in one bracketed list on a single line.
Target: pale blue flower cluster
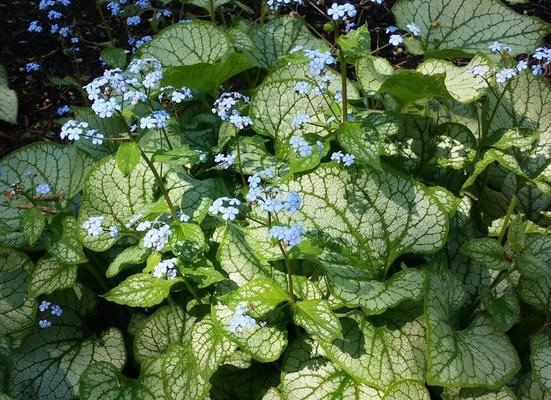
[(54, 16), (225, 207), (240, 321), (346, 159), (289, 235), (156, 120), (224, 161), (300, 146), (156, 232), (94, 225), (342, 12), (227, 107), (166, 268), (73, 130), (55, 310)]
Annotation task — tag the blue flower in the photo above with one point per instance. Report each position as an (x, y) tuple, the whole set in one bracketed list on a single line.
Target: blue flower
[(35, 26), (43, 188), (292, 203), (32, 67), (62, 110), (56, 310), (133, 21), (53, 14), (44, 305), (44, 323)]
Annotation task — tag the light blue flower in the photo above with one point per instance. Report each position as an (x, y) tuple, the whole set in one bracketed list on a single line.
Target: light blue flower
[(56, 310), (44, 323), (43, 188)]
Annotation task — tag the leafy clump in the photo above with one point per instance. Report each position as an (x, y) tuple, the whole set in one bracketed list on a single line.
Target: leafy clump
[(247, 212)]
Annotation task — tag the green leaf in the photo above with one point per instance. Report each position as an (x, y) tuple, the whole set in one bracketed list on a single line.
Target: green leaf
[(379, 354), (209, 347), (62, 167), (16, 308), (192, 196), (263, 294), (355, 43), (239, 255), (275, 105), (109, 193), (455, 146), (133, 255), (187, 241), (451, 29), (478, 356), (8, 99), (540, 358), (462, 85), (127, 157), (362, 140), (209, 5), (535, 260), (479, 394), (375, 217), (318, 319), (255, 157), (113, 126), (503, 307), (179, 374), (103, 381), (530, 389), (141, 290), (487, 252), (407, 389), (203, 276), (306, 375), (113, 57), (207, 76), (262, 343), (49, 275), (372, 73), (187, 44), (33, 222), (516, 237), (410, 86), (525, 105), (167, 325), (357, 289), (267, 43), (64, 245), (241, 378), (537, 293), (50, 361)]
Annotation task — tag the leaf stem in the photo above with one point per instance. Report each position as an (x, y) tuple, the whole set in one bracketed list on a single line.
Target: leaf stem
[(193, 292), (240, 165), (105, 24), (154, 171), (289, 274), (508, 215)]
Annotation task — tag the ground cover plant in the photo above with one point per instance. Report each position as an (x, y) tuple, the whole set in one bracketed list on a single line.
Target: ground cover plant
[(281, 199)]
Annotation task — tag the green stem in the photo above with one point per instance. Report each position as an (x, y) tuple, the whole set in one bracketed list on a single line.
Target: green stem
[(510, 210), (289, 274), (211, 11), (193, 292), (262, 11), (153, 170), (240, 165), (160, 183)]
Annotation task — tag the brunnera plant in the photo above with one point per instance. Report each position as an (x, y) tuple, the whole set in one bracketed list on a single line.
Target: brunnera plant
[(252, 212)]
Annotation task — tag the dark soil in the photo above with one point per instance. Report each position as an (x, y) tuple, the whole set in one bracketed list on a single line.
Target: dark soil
[(39, 98)]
